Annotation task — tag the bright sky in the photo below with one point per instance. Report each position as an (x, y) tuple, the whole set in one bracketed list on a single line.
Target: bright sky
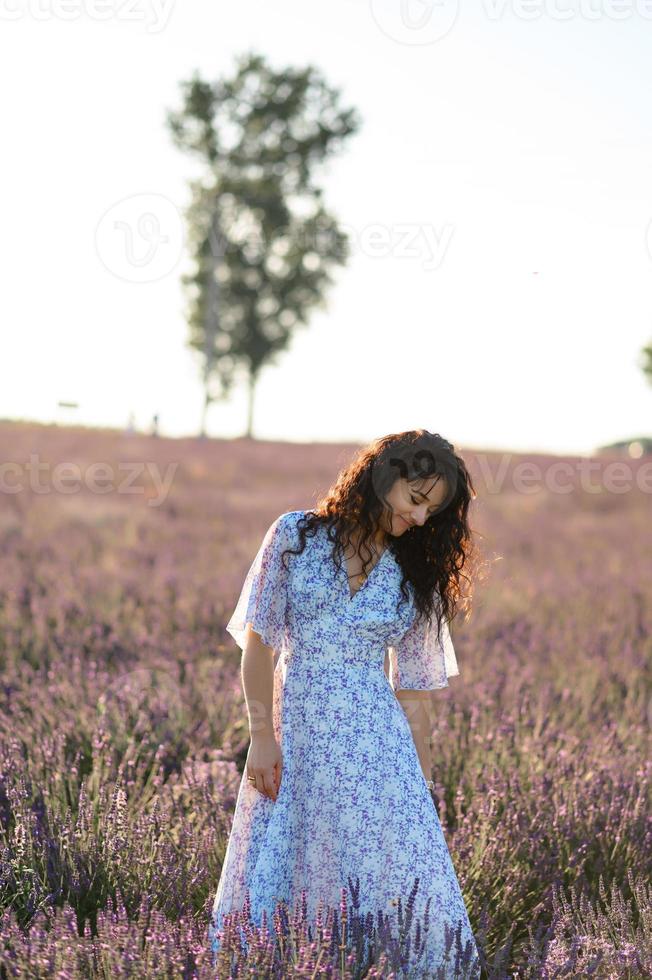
[(498, 196)]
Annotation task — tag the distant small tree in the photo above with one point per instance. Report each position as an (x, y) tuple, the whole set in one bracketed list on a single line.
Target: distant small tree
[(262, 243)]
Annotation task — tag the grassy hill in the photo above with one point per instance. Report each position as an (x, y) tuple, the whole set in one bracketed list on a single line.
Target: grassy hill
[(122, 725)]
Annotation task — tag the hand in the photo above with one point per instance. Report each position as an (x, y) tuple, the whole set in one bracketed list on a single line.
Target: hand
[(265, 762)]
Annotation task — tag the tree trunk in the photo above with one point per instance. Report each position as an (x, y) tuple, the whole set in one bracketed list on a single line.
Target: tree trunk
[(211, 311), (250, 405), (207, 401)]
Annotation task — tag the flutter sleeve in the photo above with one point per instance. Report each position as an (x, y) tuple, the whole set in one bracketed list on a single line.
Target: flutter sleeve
[(419, 661), (264, 596)]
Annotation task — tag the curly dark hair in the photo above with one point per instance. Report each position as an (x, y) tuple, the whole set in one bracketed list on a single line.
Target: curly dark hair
[(431, 556)]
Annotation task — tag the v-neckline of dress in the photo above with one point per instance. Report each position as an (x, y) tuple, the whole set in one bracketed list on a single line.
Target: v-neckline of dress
[(344, 571)]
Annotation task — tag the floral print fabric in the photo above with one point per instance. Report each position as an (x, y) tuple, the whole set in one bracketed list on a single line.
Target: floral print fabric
[(353, 800)]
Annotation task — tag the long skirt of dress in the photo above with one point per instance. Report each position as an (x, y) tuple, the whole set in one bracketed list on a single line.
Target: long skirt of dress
[(353, 804)]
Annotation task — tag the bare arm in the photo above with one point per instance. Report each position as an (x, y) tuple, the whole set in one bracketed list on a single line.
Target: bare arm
[(417, 706), (264, 760)]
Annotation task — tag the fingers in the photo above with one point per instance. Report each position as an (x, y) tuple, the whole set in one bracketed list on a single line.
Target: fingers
[(268, 784), (276, 778), (267, 776), (267, 781)]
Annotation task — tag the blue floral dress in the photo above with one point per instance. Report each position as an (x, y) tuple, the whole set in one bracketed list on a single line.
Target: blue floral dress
[(353, 800)]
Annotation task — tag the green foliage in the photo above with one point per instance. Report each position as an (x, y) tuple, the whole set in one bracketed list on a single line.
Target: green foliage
[(263, 245)]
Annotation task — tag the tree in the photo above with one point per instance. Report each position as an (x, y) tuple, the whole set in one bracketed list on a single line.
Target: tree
[(262, 243)]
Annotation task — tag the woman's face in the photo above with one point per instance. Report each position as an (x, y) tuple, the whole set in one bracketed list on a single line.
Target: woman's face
[(414, 502)]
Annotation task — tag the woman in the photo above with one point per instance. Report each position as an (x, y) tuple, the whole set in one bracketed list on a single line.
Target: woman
[(337, 781)]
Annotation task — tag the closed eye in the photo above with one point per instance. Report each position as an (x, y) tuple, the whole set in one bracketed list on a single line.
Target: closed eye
[(416, 502)]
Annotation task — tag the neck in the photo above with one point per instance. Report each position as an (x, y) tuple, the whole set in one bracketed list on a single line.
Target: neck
[(378, 539)]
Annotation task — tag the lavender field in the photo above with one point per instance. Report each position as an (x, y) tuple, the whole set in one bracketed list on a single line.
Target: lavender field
[(123, 733)]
